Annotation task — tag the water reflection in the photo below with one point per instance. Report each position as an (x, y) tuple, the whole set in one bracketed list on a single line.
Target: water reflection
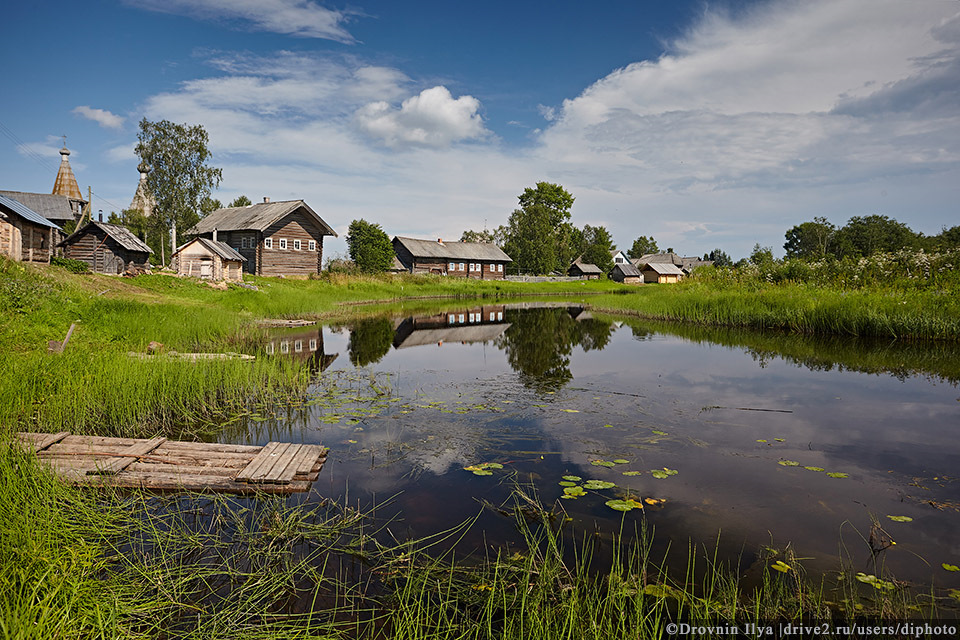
[(306, 345)]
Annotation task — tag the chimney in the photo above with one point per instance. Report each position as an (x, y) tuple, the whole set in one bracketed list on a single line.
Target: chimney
[(214, 235), (100, 216), (266, 200), (439, 240)]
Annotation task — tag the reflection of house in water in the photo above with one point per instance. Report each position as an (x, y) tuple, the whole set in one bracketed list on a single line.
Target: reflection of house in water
[(302, 345), (476, 324)]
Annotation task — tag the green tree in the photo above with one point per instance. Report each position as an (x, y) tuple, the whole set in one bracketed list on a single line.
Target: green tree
[(642, 246), (810, 240), (720, 258), (599, 246), (538, 236), (209, 205), (180, 179), (370, 340), (240, 201), (477, 236), (761, 255), (370, 248), (949, 238), (866, 235)]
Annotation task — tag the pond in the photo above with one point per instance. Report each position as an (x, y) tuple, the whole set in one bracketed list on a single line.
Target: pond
[(727, 439)]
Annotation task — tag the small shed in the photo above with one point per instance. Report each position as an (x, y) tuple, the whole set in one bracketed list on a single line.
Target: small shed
[(107, 248), (208, 259), (25, 235), (584, 270), (661, 273), (626, 273)]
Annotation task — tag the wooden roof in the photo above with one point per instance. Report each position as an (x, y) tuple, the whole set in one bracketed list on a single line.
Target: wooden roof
[(50, 206), (256, 217), (586, 267), (221, 249), (664, 269), (25, 212), (627, 269), (444, 251), (123, 236)]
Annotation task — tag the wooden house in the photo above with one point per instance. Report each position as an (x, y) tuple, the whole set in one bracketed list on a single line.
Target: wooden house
[(208, 259), (661, 273), (584, 270), (25, 235), (56, 208), (480, 260), (686, 264), (619, 257), (276, 238), (107, 248), (626, 273), (475, 324)]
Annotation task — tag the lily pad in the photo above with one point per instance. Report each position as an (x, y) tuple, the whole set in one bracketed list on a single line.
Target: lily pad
[(624, 505), (608, 426), (572, 478), (877, 583), (596, 485), (901, 518), (789, 463), (632, 473), (621, 461), (950, 567), (482, 472), (565, 483), (657, 432), (779, 439), (654, 501), (814, 468), (571, 410), (574, 492), (781, 566), (660, 474), (837, 474), (601, 463), (762, 440)]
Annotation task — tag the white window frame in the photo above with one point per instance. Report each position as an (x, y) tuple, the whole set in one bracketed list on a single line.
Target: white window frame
[(313, 344), (283, 243), (500, 268), (453, 266), (461, 318), (284, 346), (461, 267), (268, 243), (298, 346), (296, 245), (243, 242), (311, 245)]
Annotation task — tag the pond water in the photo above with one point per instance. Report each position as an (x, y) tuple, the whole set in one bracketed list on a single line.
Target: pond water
[(761, 440)]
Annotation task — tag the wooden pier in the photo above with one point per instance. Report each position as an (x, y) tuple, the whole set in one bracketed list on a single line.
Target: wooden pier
[(170, 465)]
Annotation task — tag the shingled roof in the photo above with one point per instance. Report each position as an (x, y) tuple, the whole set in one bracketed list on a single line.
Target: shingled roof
[(627, 269), (481, 251), (123, 236), (50, 206), (257, 217), (664, 269), (222, 249), (25, 212)]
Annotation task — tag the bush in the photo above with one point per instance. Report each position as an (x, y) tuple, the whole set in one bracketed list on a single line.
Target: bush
[(73, 266)]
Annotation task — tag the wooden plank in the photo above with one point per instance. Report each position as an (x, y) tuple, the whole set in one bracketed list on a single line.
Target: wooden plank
[(276, 470), (179, 445), (181, 469), (118, 464), (277, 457), (303, 464), (259, 461)]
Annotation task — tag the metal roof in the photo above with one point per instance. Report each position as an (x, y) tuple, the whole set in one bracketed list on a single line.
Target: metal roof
[(222, 249), (256, 217), (50, 206), (453, 250), (664, 269), (123, 236), (626, 269), (25, 212)]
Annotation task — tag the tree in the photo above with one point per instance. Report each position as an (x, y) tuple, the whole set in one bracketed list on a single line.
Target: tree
[(599, 245), (180, 178), (810, 240), (240, 201), (538, 236), (477, 236), (209, 205), (948, 238), (720, 258), (370, 248), (642, 246), (761, 255), (866, 235)]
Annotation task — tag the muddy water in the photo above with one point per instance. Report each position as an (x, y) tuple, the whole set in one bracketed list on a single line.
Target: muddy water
[(753, 426)]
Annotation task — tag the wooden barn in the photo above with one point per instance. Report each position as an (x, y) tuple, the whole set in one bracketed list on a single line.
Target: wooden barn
[(107, 248), (661, 273), (276, 238), (25, 235), (208, 259), (584, 270), (479, 260), (626, 273)]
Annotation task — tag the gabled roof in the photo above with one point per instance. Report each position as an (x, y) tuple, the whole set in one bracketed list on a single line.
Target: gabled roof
[(123, 236), (659, 258), (664, 269), (25, 212), (626, 269), (453, 250), (222, 249), (257, 217), (586, 267), (50, 206)]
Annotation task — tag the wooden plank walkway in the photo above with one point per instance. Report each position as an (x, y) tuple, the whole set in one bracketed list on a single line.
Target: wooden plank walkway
[(169, 465)]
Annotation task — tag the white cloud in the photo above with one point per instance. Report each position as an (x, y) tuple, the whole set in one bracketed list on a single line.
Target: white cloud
[(434, 118), (101, 116), (121, 153), (302, 18)]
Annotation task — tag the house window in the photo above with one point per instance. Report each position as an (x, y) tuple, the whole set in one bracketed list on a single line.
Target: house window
[(283, 243), (268, 243), (296, 245), (312, 245), (461, 266), (619, 260), (500, 267), (451, 318), (453, 267), (313, 345), (243, 242), (270, 348), (499, 315), (284, 347), (461, 318), (298, 346), (492, 316)]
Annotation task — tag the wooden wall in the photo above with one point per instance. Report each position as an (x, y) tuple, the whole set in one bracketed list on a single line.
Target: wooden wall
[(414, 264), (10, 243), (275, 261), (102, 253), (24, 241)]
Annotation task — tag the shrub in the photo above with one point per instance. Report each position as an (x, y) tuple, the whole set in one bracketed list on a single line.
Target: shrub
[(73, 266)]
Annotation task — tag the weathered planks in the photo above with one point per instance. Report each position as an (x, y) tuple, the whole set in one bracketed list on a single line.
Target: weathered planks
[(168, 465)]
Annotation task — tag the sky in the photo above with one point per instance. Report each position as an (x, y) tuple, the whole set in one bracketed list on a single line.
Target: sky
[(703, 124)]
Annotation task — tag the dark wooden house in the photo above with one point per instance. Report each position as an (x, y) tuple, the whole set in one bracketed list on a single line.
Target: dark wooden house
[(584, 270), (276, 238), (208, 259), (626, 273), (25, 235), (479, 260), (107, 248)]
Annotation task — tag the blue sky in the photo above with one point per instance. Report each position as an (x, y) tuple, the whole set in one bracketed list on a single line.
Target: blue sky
[(706, 125)]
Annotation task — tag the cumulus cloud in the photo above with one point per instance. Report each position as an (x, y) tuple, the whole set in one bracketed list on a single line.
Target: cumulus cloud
[(434, 118), (302, 18), (101, 116)]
